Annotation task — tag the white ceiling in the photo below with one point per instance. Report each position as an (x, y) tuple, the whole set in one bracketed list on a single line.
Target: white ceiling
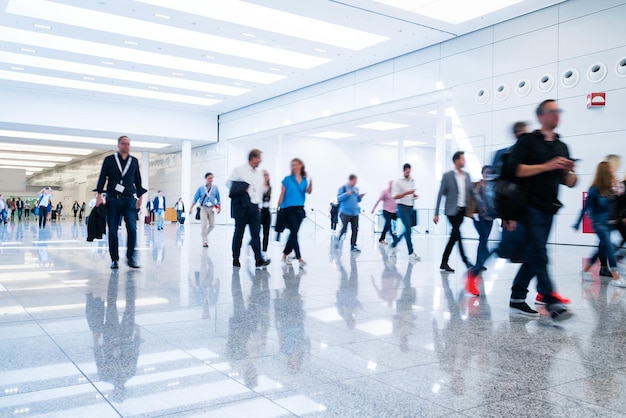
[(213, 56), (219, 55)]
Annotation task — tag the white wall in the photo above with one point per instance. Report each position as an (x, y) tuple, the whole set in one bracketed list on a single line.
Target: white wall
[(573, 35)]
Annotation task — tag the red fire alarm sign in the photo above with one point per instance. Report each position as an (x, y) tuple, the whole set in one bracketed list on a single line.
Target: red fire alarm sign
[(596, 100)]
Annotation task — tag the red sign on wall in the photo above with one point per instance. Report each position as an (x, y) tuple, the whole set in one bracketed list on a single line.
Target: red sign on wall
[(587, 225)]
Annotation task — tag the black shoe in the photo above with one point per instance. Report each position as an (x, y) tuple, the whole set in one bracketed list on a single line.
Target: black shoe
[(133, 264), (115, 265), (468, 264), (236, 262), (355, 249), (446, 267), (522, 308), (558, 312), (483, 268), (263, 262), (605, 272)]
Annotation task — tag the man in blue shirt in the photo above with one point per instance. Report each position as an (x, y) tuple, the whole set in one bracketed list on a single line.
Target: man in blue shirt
[(207, 198), (349, 198), (159, 207)]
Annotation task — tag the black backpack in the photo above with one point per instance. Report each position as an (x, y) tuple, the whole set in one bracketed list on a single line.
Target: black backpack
[(507, 191)]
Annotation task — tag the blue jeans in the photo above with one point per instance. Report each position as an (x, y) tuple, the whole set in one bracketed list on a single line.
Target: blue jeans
[(43, 216), (3, 216), (483, 227), (160, 218), (405, 214), (538, 224), (606, 249), (117, 209)]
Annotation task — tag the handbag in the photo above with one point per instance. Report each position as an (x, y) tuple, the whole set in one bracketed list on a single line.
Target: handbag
[(197, 213), (280, 222), (413, 217)]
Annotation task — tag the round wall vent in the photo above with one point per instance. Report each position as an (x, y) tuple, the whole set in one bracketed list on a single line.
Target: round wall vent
[(570, 78), (523, 88), (482, 96), (502, 91), (620, 67), (546, 83), (597, 72)]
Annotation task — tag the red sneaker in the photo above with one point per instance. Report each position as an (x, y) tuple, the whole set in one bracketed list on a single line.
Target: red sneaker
[(540, 300), (470, 285)]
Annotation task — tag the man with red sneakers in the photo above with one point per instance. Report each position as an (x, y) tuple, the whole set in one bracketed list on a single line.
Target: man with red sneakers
[(542, 162)]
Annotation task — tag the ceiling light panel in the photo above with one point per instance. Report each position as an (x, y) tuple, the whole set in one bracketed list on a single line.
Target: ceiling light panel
[(382, 126), (332, 135), (277, 21), (105, 88), (28, 169), (78, 139), (140, 29), (77, 46), (27, 163), (143, 78), (11, 146), (451, 11), (35, 157)]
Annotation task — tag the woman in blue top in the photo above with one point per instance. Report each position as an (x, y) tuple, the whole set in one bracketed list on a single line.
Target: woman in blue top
[(599, 204), (291, 202)]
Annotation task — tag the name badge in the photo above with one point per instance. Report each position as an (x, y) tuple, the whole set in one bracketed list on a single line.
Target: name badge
[(119, 188)]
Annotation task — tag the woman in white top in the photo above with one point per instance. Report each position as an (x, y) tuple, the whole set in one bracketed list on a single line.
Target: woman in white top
[(44, 199)]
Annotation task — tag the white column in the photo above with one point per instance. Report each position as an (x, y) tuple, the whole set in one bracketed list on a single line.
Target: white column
[(185, 192), (280, 168), (401, 153), (145, 179), (440, 150)]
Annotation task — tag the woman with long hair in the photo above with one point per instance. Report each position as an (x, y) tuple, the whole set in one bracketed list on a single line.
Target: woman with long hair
[(266, 216), (291, 201), (600, 200)]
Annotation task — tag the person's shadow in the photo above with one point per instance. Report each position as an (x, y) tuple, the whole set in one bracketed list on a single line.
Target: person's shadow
[(348, 293), (116, 344)]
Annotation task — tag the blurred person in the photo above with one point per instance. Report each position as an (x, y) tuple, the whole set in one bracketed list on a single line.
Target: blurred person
[(456, 186), (82, 211), (483, 218), (3, 210), (542, 162), (121, 175), (293, 193), (599, 203), (76, 208), (43, 202), (179, 207), (246, 193), (349, 198), (27, 209), (334, 214), (19, 205), (266, 215), (405, 195), (390, 208), (159, 207), (207, 200), (59, 211)]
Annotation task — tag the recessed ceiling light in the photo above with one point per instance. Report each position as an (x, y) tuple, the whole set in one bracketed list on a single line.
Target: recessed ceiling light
[(248, 35), (374, 101), (332, 135), (11, 146), (28, 163), (451, 11), (178, 74), (17, 68), (107, 62), (40, 26), (320, 50), (32, 51), (406, 143), (274, 69), (94, 70), (35, 157), (135, 28), (287, 122), (382, 126), (77, 139), (28, 169), (238, 83), (449, 111), (100, 50), (209, 57), (264, 18), (439, 85), (131, 43), (162, 16), (153, 87)]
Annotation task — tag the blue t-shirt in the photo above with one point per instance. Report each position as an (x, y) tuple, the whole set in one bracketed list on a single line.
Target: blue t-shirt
[(294, 193)]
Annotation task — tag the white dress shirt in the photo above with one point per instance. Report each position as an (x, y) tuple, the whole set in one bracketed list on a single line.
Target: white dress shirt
[(403, 185), (460, 185), (252, 176)]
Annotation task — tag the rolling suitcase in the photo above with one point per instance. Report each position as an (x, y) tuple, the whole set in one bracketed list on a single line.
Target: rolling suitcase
[(146, 220)]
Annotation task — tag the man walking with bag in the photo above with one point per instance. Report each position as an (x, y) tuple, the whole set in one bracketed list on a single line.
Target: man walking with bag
[(207, 199), (404, 193)]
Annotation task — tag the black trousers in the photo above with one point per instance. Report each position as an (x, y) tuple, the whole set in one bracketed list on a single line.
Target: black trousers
[(455, 236), (354, 226), (293, 218), (266, 223), (253, 221)]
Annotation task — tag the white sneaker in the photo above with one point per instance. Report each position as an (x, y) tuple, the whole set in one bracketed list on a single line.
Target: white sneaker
[(287, 261), (618, 283), (586, 276), (415, 257)]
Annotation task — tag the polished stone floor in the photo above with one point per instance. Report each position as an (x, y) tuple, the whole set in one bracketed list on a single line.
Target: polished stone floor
[(347, 336)]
